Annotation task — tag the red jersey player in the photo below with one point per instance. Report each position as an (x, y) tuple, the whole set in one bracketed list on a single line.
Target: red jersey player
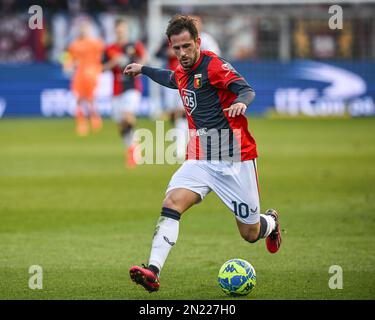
[(172, 101), (127, 91), (221, 153)]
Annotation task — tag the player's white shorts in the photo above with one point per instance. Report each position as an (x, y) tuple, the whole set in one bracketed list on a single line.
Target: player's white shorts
[(128, 102), (172, 100), (235, 183)]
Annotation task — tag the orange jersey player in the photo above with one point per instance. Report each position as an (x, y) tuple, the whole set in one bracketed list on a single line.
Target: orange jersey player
[(85, 55)]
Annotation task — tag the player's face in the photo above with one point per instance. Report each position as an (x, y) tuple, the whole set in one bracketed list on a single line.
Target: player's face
[(85, 30), (185, 48), (122, 32)]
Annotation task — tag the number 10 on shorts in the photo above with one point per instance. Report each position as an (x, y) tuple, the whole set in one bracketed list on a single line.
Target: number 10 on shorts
[(241, 209)]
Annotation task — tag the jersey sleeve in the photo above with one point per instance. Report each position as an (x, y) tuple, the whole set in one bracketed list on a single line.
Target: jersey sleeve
[(108, 54), (164, 77), (221, 73), (245, 94)]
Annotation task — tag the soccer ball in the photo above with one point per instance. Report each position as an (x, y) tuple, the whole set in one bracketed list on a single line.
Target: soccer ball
[(237, 277)]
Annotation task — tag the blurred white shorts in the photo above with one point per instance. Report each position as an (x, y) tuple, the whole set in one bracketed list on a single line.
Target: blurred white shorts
[(172, 100), (235, 183), (127, 102)]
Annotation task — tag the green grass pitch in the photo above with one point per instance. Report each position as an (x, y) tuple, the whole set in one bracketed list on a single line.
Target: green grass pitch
[(68, 205)]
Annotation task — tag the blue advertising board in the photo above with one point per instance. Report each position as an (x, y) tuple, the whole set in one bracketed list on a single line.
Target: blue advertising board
[(312, 88), (300, 87)]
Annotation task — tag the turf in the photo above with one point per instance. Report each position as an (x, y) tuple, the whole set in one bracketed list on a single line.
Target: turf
[(69, 205)]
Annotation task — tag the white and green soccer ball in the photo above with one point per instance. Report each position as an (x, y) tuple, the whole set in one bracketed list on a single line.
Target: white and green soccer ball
[(237, 277)]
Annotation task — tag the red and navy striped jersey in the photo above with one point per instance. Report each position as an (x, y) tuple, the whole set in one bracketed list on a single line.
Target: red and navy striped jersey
[(205, 92), (130, 52)]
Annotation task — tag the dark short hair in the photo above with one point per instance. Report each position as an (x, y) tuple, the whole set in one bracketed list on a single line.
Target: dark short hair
[(119, 21), (180, 23)]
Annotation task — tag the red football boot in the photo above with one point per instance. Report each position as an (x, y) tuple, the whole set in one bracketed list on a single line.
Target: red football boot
[(145, 277), (273, 241)]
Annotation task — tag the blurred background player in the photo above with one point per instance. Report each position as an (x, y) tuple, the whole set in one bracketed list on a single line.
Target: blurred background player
[(172, 100), (208, 42), (84, 59), (127, 91)]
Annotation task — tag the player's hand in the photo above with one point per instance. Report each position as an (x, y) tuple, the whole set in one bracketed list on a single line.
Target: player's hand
[(236, 109), (133, 69)]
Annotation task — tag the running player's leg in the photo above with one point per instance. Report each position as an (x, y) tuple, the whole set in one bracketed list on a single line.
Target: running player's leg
[(82, 128), (177, 115), (87, 84), (95, 118), (269, 225), (268, 228), (253, 232), (187, 187), (237, 186), (77, 86), (126, 130), (125, 108), (165, 237), (176, 202)]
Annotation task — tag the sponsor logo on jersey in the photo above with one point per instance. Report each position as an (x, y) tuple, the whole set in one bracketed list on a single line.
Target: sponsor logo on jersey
[(189, 99)]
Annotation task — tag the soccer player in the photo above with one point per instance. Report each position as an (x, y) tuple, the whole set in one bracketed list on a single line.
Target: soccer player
[(172, 101), (84, 57), (208, 42), (215, 99), (172, 98), (127, 91)]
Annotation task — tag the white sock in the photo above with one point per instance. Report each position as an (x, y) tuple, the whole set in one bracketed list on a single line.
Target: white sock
[(165, 237), (268, 224)]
